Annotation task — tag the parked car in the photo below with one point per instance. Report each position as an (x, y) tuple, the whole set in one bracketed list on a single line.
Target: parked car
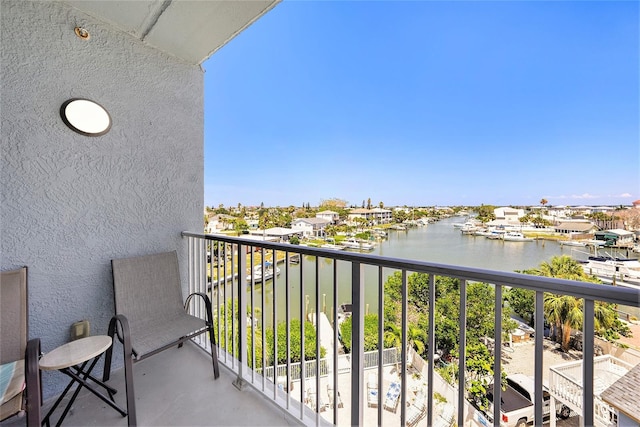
[(517, 408)]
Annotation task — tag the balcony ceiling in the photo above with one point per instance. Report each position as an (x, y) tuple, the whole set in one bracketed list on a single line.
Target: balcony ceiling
[(190, 30)]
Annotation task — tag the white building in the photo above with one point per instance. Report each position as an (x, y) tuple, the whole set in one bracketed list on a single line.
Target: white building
[(382, 216), (219, 222), (278, 234), (310, 227), (331, 216), (373, 216)]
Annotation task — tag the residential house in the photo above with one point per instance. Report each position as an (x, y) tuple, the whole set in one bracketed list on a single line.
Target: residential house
[(310, 227), (619, 396), (373, 216), (510, 215), (382, 216), (281, 234), (580, 227), (363, 213), (616, 237), (220, 222), (331, 216)]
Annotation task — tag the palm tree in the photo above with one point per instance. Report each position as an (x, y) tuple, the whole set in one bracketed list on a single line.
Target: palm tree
[(417, 338), (553, 306), (572, 319)]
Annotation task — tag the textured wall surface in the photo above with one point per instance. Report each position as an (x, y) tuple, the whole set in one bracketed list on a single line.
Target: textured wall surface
[(70, 203)]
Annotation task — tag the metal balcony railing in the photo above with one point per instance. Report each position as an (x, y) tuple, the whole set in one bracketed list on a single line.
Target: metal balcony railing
[(309, 283)]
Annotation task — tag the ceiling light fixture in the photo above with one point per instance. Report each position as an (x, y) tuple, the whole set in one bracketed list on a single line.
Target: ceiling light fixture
[(85, 117), (82, 33)]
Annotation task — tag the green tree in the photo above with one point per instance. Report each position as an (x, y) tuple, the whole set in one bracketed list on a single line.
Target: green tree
[(226, 340), (565, 312), (295, 353), (370, 332), (522, 302), (485, 213)]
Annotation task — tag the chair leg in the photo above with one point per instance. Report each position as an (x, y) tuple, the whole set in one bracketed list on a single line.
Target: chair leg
[(214, 353), (34, 390), (212, 337), (127, 352), (108, 354)]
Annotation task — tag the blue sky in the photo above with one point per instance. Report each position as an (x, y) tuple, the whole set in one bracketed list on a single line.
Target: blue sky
[(427, 103)]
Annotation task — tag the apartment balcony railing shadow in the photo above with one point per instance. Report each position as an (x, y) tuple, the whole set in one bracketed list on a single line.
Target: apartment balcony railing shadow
[(302, 282)]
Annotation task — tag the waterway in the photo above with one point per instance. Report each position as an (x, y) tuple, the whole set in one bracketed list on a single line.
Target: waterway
[(439, 242)]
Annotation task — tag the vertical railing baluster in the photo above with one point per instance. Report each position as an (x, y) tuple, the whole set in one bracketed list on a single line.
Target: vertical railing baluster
[(252, 305), (336, 390), (287, 286), (274, 284), (357, 344), (587, 361), (242, 318), (318, 331), (219, 308), (228, 354), (302, 356), (405, 345), (262, 324), (234, 308), (432, 344), (380, 341), (538, 357), (462, 351), (497, 354)]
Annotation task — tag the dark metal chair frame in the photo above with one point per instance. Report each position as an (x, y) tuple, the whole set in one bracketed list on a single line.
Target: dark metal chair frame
[(31, 398), (121, 327)]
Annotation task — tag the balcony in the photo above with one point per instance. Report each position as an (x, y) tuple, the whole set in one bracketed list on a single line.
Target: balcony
[(313, 283), (381, 387)]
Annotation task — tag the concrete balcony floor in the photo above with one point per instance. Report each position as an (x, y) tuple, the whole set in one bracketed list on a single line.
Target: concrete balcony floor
[(173, 388)]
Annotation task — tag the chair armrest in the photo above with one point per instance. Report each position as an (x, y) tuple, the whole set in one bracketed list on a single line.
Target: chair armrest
[(32, 376), (207, 304)]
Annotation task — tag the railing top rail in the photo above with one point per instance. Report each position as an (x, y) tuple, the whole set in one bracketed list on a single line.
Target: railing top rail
[(614, 294)]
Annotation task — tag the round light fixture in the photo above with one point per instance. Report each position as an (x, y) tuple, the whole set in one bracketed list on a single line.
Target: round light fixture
[(85, 117)]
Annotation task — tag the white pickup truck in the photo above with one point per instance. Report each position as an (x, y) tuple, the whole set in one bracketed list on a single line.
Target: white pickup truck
[(517, 409)]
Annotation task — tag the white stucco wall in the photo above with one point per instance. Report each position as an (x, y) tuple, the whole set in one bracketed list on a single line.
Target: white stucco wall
[(70, 203)]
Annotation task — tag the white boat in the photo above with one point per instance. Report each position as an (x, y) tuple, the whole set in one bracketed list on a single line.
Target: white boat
[(353, 243), (268, 272), (469, 227), (332, 246), (623, 269), (572, 243), (516, 236), (496, 235)]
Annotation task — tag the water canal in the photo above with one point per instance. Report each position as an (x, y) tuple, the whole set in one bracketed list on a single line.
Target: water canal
[(439, 242)]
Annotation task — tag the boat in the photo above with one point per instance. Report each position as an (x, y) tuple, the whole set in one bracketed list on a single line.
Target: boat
[(516, 236), (483, 232), (353, 243), (607, 267), (572, 243), (257, 276), (469, 227), (496, 234), (333, 246)]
